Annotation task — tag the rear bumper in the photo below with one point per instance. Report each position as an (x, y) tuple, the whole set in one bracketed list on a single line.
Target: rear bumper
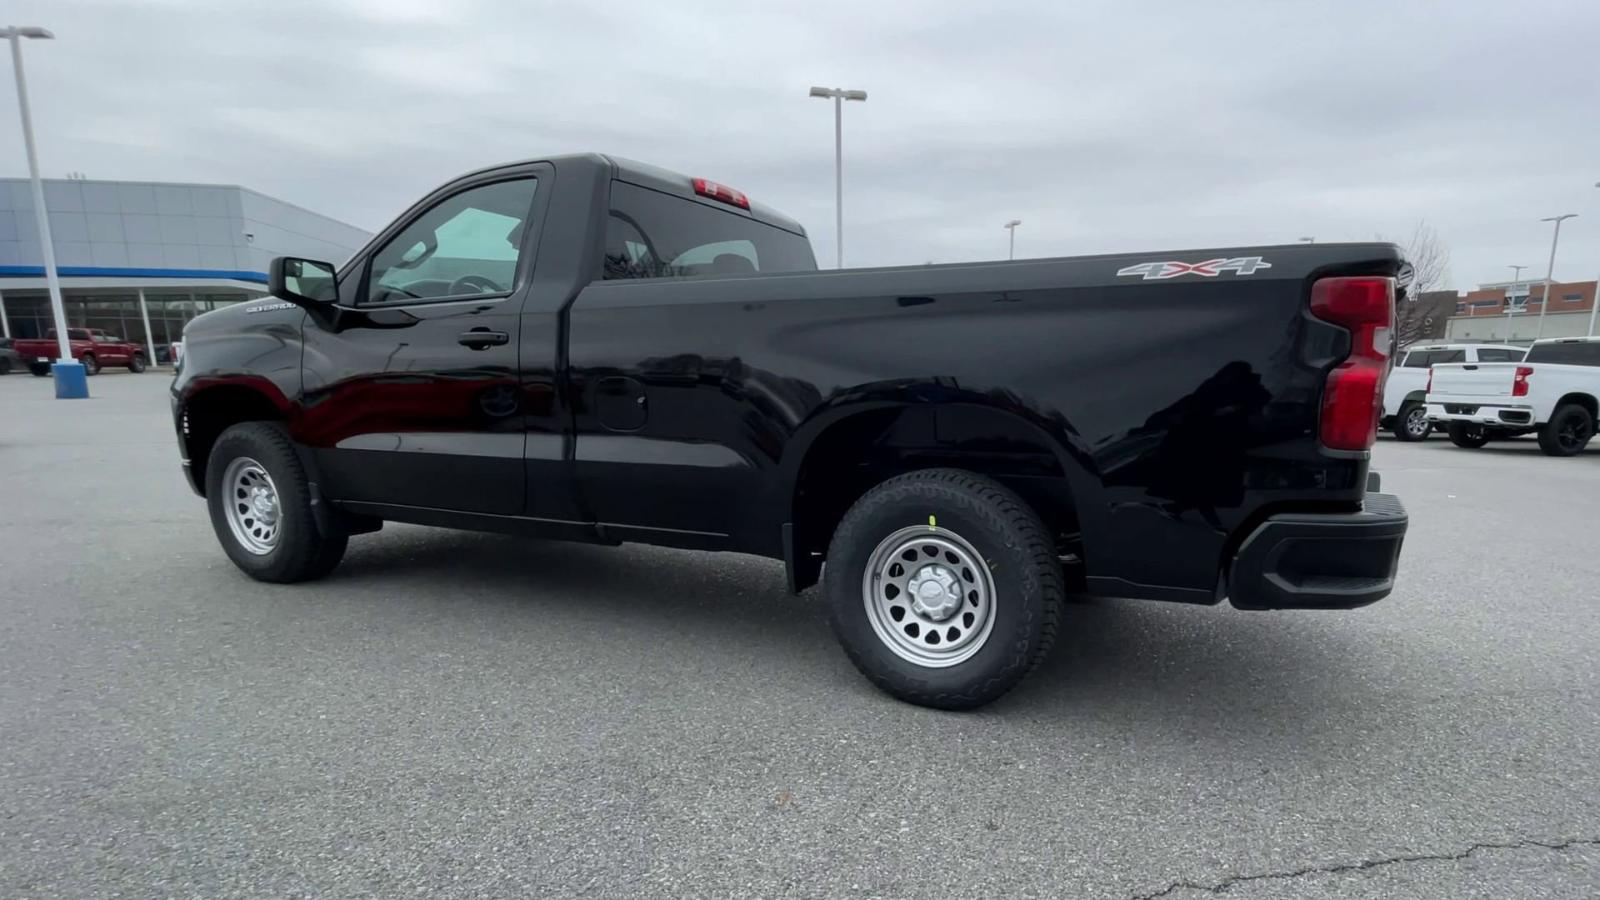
[(1320, 560), (1496, 414)]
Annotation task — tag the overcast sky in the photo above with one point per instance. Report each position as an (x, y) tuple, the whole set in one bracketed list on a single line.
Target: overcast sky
[(1118, 126)]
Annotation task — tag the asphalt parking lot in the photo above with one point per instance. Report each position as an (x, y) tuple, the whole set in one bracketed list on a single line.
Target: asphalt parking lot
[(460, 715)]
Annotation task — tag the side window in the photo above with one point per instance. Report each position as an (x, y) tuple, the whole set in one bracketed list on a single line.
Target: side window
[(653, 234), (467, 245), (1447, 356), (1499, 354), (1416, 359)]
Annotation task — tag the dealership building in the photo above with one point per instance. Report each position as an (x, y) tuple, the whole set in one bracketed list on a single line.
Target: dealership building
[(182, 249)]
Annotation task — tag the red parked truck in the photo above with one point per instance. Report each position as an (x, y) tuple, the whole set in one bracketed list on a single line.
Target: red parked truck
[(90, 346)]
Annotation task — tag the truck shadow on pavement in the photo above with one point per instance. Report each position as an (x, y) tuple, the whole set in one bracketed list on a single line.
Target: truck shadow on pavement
[(1197, 671)]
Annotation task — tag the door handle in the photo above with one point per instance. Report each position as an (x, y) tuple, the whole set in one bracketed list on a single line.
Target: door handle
[(482, 338)]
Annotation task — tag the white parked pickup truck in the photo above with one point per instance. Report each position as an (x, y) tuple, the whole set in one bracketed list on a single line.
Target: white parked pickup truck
[(1553, 392), (1405, 410)]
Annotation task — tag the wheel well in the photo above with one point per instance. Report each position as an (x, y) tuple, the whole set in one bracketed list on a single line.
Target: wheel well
[(866, 449), (209, 413), (1584, 400)]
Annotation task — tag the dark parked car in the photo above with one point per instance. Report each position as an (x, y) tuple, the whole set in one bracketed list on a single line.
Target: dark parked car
[(10, 359), (591, 349)]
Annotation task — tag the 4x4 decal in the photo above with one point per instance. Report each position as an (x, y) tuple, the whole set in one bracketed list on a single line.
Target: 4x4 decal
[(1211, 268)]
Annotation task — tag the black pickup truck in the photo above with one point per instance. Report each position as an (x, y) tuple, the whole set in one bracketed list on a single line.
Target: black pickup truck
[(592, 349)]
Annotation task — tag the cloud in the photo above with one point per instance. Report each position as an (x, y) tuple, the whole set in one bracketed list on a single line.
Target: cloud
[(1103, 126)]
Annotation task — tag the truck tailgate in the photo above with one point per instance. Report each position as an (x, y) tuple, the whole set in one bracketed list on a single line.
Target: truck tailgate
[(1480, 380)]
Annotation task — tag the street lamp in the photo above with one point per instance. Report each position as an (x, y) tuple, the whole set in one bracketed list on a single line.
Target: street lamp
[(69, 373), (1516, 279), (1549, 278), (1011, 227), (839, 95), (1595, 305)]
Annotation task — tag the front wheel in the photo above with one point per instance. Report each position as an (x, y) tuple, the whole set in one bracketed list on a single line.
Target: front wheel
[(5, 365), (91, 366), (260, 502), (39, 370), (1568, 431), (1412, 423), (1467, 435), (136, 365), (944, 588)]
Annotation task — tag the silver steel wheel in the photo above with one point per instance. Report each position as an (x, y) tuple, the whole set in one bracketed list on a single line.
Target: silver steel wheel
[(251, 505), (1417, 424), (929, 596)]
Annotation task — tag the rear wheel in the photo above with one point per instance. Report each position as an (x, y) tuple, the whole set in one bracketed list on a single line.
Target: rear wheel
[(1412, 423), (136, 364), (5, 365), (1568, 431), (944, 588), (91, 366), (40, 370), (1463, 434), (260, 502)]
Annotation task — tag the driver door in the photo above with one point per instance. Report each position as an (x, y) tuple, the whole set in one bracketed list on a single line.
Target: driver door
[(411, 393)]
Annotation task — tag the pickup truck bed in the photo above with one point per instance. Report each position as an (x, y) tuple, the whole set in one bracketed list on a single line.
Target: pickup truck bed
[(662, 363)]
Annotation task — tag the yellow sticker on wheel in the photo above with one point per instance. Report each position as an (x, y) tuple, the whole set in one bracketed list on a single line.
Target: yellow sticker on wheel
[(932, 523)]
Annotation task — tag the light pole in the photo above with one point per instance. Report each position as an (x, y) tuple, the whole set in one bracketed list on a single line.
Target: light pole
[(1595, 305), (70, 381), (1550, 275), (1516, 279), (839, 95), (1011, 228)]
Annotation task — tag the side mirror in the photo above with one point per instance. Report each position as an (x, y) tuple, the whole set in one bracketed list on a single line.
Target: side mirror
[(303, 282)]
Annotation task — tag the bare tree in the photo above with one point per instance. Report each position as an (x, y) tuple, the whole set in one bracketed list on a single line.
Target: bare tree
[(1422, 312)]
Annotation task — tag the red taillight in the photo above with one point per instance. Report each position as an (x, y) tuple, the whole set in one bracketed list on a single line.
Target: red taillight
[(1352, 397), (1519, 384), (721, 192)]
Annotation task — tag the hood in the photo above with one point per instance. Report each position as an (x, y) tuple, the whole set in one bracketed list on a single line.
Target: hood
[(252, 315)]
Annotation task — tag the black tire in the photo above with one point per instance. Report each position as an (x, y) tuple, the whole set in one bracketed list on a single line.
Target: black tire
[(137, 364), (5, 365), (1467, 435), (1568, 431), (38, 370), (1024, 572), (91, 366), (1406, 427), (302, 551)]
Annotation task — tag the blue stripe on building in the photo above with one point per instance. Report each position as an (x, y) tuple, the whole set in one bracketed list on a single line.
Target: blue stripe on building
[(113, 272)]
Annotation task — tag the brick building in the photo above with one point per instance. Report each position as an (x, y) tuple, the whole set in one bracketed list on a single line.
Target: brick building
[(1509, 311), (1494, 298)]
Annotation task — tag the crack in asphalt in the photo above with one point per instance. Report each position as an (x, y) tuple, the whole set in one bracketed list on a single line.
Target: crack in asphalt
[(1227, 884)]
